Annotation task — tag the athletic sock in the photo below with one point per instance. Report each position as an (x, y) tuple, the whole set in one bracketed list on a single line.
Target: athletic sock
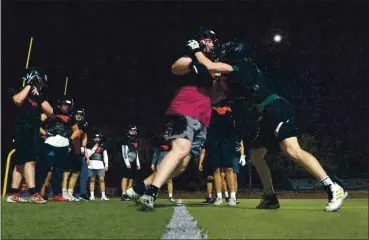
[(14, 190), (226, 194), (233, 195), (70, 191), (124, 193), (209, 196), (140, 188), (103, 195), (219, 195), (170, 195), (92, 194), (64, 192), (326, 181), (31, 190), (152, 191)]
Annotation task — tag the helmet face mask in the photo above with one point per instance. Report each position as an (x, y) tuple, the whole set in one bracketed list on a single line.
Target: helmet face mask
[(79, 115), (39, 80), (208, 42), (66, 104), (97, 137), (132, 131)]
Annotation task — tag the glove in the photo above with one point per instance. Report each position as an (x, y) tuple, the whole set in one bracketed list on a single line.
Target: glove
[(194, 46), (83, 150), (70, 147), (243, 160), (30, 79)]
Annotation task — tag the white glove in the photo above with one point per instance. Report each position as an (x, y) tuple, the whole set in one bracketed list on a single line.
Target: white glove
[(83, 150), (243, 160), (193, 45)]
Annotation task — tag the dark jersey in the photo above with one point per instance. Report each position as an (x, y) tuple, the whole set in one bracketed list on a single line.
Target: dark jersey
[(222, 124), (60, 125), (249, 82), (27, 125), (30, 110)]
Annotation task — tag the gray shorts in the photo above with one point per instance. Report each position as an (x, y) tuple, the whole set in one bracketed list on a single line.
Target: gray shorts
[(96, 173), (188, 128)]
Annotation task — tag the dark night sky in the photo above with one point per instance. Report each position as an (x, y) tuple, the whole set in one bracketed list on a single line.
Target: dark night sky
[(118, 55)]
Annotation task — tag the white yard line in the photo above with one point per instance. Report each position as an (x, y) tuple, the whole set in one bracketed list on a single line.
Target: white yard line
[(182, 225)]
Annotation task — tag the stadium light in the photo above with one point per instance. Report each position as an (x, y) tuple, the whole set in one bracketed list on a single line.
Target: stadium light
[(277, 38)]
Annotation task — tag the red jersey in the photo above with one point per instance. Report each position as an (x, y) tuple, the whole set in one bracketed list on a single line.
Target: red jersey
[(192, 101)]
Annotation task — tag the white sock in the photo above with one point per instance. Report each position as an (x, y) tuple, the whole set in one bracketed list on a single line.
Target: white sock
[(92, 194), (170, 195), (233, 195), (123, 193), (326, 181), (103, 194), (219, 195), (70, 191), (64, 190), (226, 194), (210, 196)]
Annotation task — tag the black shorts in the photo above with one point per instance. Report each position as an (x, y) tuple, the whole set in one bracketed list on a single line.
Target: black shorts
[(55, 156), (207, 168), (130, 173), (73, 163), (27, 143), (276, 124), (221, 153)]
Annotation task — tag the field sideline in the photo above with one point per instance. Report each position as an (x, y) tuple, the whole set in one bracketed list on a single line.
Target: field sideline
[(297, 219)]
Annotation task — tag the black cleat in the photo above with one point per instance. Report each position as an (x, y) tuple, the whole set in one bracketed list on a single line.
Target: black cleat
[(269, 202), (83, 197), (209, 200), (125, 198)]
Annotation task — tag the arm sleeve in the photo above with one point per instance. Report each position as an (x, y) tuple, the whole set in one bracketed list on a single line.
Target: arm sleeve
[(92, 151), (137, 160), (125, 154), (106, 159)]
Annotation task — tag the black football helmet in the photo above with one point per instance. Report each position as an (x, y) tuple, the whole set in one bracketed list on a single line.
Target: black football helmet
[(206, 33), (66, 104), (79, 114), (36, 77)]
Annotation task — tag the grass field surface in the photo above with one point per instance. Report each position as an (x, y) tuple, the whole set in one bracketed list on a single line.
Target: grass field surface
[(297, 219)]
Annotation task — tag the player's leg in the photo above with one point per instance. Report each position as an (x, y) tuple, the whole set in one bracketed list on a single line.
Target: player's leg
[(130, 183), (83, 179), (75, 170), (209, 189), (59, 162), (218, 187), (101, 174), (92, 185), (14, 194), (66, 174), (224, 184), (170, 190), (189, 135), (336, 194), (46, 184)]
